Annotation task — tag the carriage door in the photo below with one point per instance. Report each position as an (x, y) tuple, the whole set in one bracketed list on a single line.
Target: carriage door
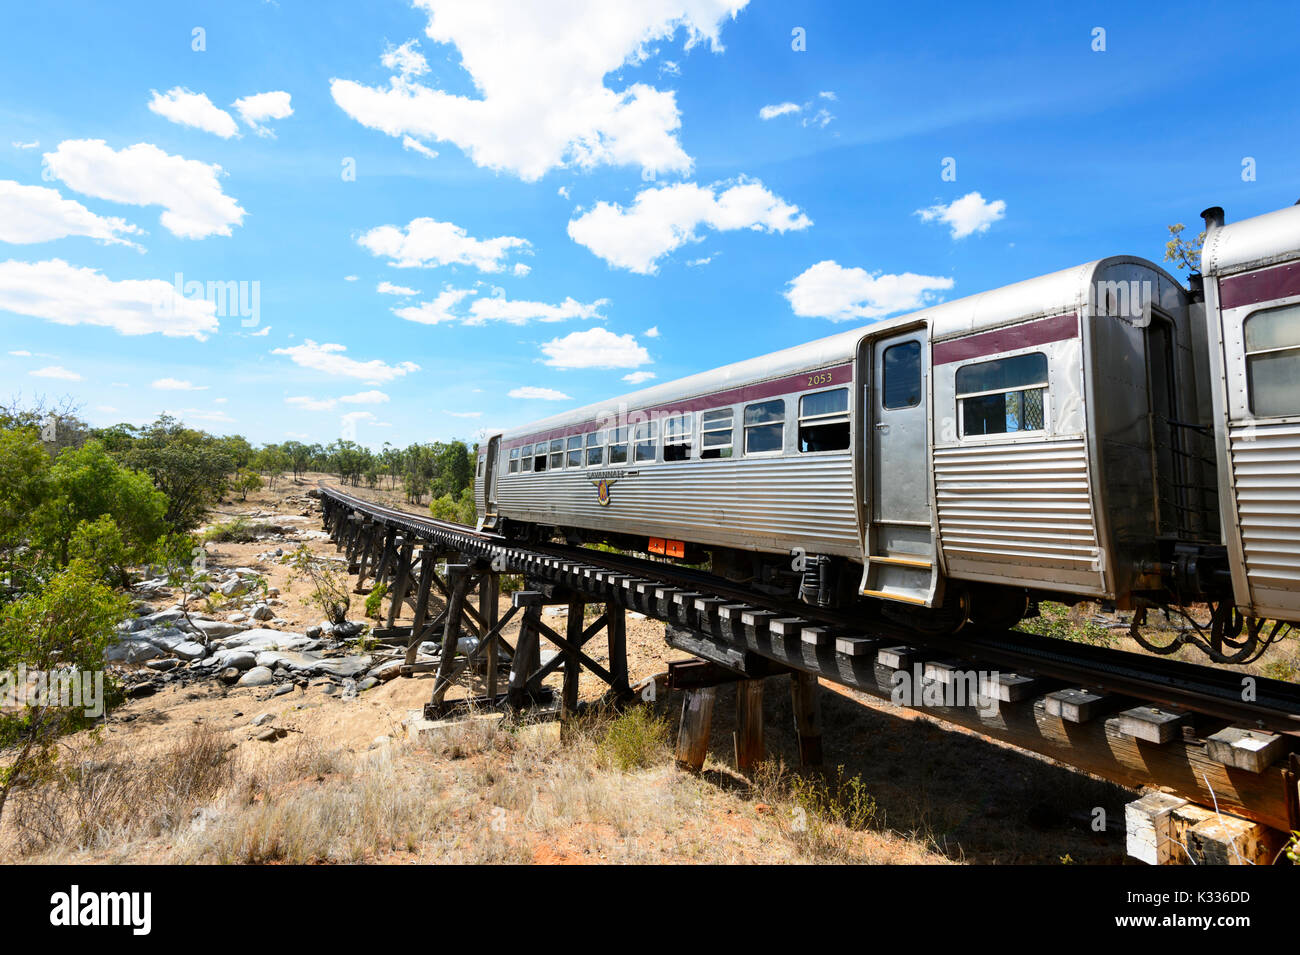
[(490, 481), (898, 543)]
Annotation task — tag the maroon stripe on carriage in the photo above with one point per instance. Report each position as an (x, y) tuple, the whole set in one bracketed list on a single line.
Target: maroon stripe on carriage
[(1038, 332), (823, 378), (1281, 281)]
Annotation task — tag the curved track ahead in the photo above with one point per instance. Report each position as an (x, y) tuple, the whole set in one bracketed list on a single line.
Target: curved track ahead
[(1193, 687)]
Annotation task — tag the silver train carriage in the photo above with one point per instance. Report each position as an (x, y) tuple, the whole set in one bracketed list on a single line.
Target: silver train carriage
[(1065, 436), (956, 459)]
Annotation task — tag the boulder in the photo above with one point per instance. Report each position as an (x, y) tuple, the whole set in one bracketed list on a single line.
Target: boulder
[(131, 650), (263, 612), (213, 629), (257, 676), (235, 657), (263, 639), (235, 587), (343, 667)]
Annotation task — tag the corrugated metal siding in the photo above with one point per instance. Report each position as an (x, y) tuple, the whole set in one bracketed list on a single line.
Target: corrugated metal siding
[(1267, 484), (769, 504), (1011, 510)]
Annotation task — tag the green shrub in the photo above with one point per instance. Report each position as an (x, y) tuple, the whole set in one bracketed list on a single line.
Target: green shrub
[(635, 739)]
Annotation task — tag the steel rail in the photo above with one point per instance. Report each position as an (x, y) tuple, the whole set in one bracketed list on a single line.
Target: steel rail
[(1187, 686)]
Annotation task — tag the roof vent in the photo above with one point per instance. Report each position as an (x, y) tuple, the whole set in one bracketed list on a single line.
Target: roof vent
[(1213, 217)]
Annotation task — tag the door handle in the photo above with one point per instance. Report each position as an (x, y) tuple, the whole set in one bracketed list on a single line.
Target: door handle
[(882, 426)]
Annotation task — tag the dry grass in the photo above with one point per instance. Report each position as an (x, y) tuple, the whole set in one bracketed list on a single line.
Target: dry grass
[(484, 790)]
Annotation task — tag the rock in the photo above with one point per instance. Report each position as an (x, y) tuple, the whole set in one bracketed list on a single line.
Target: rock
[(386, 670), (190, 650), (237, 618), (263, 719), (229, 675), (349, 628), (163, 664), (141, 689), (235, 587), (263, 612), (132, 651), (257, 676), (282, 690), (343, 667), (215, 629), (367, 684), (263, 639), (289, 659), (236, 658), (270, 734), (313, 633)]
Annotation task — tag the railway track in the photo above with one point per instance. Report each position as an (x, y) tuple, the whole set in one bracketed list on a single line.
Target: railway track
[(1189, 687)]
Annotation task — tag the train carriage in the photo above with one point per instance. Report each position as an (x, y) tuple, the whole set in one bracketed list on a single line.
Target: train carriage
[(1251, 273), (950, 464)]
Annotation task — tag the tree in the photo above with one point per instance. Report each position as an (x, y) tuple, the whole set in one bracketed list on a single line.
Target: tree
[(245, 481), (299, 456), (24, 483), (63, 629), (1184, 254), (189, 466), (86, 483)]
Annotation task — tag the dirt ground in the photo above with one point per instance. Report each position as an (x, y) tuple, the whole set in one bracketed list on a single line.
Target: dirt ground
[(475, 793)]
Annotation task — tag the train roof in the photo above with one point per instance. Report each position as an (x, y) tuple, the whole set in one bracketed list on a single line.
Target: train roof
[(1251, 243), (1045, 295)]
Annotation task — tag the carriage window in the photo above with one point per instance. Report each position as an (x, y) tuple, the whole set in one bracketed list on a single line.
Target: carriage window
[(901, 375), (1003, 396), (715, 433), (618, 445), (645, 437), (824, 421), (1273, 361), (514, 460), (539, 459), (765, 426), (557, 453), (677, 437), (595, 449), (480, 466), (526, 458), (574, 456)]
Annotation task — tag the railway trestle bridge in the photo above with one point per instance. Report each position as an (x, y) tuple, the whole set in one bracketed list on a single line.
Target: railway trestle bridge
[(1200, 736)]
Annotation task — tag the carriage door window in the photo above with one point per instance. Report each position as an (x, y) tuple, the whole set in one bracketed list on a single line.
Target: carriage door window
[(1273, 361), (715, 433), (677, 437), (901, 371), (824, 421), (1003, 396), (526, 458), (765, 427)]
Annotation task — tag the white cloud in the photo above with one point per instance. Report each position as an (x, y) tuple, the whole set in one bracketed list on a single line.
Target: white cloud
[(388, 288), (22, 353), (308, 403), (69, 295), (350, 278), (521, 269), (531, 393), (32, 145), (105, 409), (464, 414), (651, 332), (38, 214), (177, 384), (143, 175), (637, 377), (967, 215), (562, 192), (428, 243), (255, 110), (55, 371), (330, 360), (539, 78), (595, 348), (415, 146), (828, 94), (662, 219), (193, 109), (202, 414), (821, 119), (778, 109), (519, 312), (220, 401), (262, 333), (437, 311), (702, 260), (352, 417), (828, 290)]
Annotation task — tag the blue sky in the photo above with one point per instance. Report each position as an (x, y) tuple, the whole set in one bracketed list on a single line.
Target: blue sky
[(565, 198)]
